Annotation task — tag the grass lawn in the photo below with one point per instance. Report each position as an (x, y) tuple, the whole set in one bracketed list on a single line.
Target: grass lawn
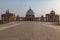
[(57, 23), (1, 23)]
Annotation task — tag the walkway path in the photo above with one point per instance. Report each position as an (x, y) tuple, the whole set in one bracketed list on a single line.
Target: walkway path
[(31, 31)]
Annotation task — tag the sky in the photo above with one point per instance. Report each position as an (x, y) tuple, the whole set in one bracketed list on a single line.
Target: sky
[(20, 7)]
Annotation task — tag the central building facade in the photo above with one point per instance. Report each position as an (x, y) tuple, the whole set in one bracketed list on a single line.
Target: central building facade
[(30, 16)]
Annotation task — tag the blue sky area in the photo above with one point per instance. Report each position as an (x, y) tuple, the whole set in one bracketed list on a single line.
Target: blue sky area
[(40, 7)]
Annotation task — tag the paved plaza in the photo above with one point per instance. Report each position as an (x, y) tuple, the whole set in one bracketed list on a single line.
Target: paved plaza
[(29, 30)]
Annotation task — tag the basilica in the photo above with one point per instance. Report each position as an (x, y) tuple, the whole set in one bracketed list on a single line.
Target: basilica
[(30, 16)]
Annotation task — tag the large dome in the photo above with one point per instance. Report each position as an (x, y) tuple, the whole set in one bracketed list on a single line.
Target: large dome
[(52, 12), (29, 12)]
